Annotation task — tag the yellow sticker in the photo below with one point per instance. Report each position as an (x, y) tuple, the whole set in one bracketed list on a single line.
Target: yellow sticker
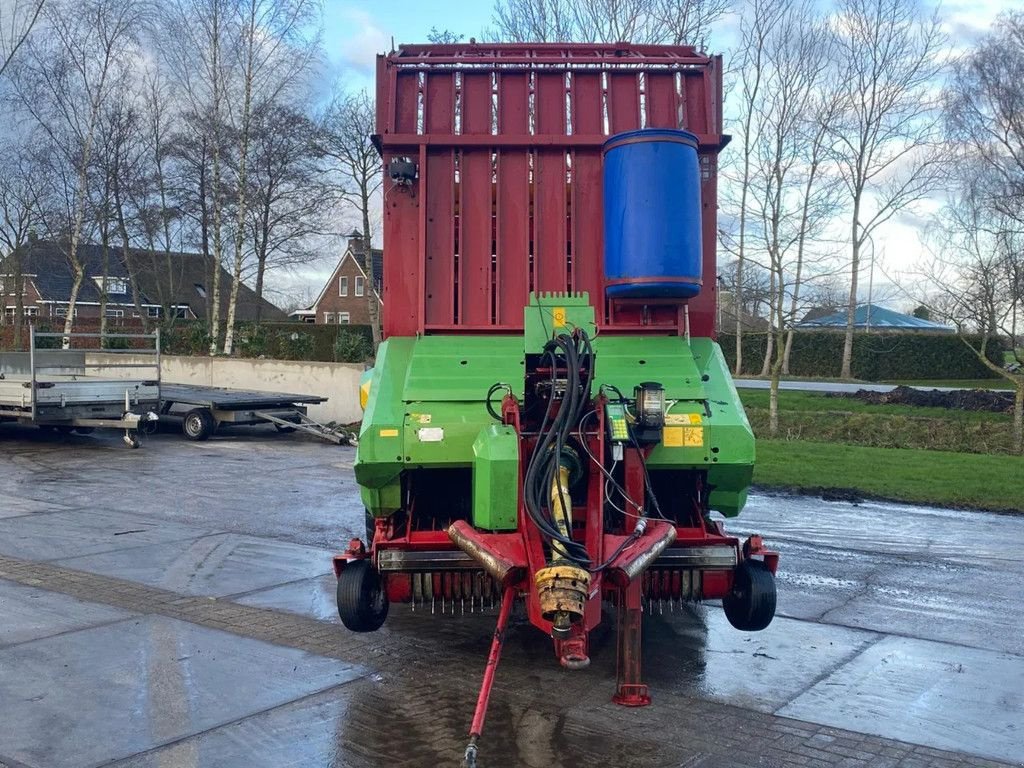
[(558, 314), (673, 437), (684, 419), (420, 418), (389, 433), (693, 437)]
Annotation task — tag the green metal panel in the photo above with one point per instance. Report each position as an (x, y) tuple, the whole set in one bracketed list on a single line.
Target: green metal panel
[(453, 368), (549, 314), (496, 478), (426, 407)]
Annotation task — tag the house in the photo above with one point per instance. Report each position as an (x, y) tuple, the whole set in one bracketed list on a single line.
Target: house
[(168, 283), (343, 299), (869, 317)]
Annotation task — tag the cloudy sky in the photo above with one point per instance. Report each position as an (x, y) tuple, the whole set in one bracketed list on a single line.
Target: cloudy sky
[(356, 30)]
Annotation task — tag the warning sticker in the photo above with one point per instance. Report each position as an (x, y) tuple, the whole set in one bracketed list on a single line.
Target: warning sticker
[(673, 437), (389, 433), (558, 314), (693, 437), (683, 418)]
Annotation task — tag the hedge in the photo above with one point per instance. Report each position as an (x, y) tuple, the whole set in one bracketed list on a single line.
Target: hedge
[(876, 356), (278, 341)]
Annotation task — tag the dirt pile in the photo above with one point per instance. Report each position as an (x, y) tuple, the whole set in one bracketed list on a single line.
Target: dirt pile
[(962, 399)]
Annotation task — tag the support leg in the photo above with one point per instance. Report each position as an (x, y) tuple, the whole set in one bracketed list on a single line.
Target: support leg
[(630, 692), (476, 729)]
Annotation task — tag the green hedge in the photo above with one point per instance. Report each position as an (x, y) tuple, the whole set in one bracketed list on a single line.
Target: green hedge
[(278, 341), (876, 356)]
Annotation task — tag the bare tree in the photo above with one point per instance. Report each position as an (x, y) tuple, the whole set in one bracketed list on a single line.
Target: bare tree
[(758, 21), (70, 69), (789, 201), (274, 52), (978, 280), (985, 107), (886, 52), (673, 22), (348, 127), (17, 18), (20, 216), (289, 194)]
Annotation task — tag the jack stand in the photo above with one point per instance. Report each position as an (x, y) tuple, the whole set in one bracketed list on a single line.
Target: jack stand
[(630, 692)]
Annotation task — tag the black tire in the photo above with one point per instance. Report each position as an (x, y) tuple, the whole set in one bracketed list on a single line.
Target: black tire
[(750, 606), (198, 424), (362, 601)]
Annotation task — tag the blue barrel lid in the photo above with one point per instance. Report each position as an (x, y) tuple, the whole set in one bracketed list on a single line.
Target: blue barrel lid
[(650, 134)]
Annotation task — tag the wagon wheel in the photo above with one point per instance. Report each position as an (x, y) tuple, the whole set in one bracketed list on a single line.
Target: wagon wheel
[(362, 601), (198, 424), (750, 605)]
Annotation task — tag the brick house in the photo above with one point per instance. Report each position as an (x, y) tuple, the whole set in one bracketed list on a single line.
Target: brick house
[(168, 284), (343, 299)]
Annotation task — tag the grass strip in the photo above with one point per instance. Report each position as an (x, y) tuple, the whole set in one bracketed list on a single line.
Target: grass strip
[(942, 478)]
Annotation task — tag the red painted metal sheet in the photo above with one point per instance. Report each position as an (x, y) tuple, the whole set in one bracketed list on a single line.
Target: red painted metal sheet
[(662, 103), (475, 205), (512, 202), (496, 215)]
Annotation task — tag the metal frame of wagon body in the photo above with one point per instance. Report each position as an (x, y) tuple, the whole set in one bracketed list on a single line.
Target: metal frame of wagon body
[(507, 139), (56, 388)]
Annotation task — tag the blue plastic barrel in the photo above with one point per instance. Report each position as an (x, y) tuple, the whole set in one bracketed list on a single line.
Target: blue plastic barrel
[(652, 221)]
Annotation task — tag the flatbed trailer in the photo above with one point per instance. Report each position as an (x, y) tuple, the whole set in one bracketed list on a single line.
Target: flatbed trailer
[(61, 389), (202, 410)]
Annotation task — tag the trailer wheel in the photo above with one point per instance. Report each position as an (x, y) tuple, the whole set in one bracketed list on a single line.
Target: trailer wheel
[(362, 601), (750, 606), (198, 424)]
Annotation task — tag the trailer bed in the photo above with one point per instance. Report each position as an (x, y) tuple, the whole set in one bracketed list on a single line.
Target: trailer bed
[(221, 397), (201, 410)]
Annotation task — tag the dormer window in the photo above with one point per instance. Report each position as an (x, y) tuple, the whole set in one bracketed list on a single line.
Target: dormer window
[(112, 284)]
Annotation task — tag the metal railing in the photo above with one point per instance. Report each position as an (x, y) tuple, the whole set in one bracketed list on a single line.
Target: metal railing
[(35, 368)]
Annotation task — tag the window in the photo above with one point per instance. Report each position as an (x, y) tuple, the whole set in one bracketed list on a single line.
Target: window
[(153, 311), (6, 285), (112, 284), (115, 312), (343, 286), (181, 313), (33, 311), (329, 318), (360, 286), (343, 318), (200, 290)]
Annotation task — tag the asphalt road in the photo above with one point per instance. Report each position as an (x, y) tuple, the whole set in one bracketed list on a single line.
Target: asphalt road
[(173, 606)]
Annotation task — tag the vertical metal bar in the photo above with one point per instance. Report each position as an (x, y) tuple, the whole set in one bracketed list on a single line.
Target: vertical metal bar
[(629, 690)]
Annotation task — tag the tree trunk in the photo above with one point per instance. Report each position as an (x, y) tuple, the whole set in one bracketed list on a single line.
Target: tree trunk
[(851, 307), (1018, 418), (373, 308), (133, 278)]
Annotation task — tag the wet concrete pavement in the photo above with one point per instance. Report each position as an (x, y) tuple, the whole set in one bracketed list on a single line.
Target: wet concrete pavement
[(173, 606)]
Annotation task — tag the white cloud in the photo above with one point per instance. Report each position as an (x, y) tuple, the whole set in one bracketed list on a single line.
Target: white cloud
[(361, 41)]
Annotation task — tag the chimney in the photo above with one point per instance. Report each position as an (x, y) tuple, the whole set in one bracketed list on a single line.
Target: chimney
[(355, 241)]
